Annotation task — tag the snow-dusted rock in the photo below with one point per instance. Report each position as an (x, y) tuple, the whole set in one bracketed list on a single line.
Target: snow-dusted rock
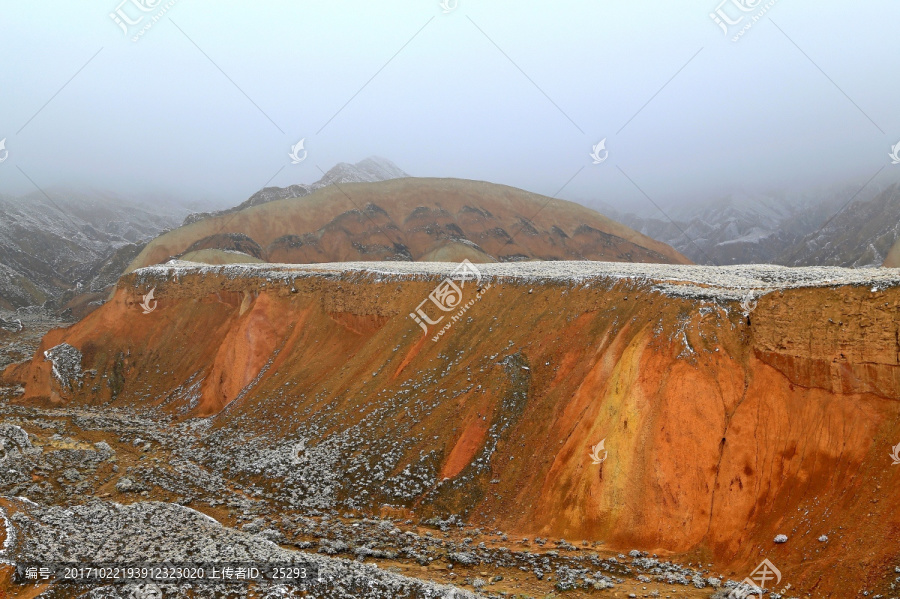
[(66, 362)]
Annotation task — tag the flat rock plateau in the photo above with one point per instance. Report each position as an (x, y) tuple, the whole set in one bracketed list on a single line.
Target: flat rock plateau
[(530, 429)]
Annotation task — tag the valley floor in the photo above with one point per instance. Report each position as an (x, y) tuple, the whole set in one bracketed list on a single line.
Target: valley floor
[(82, 459)]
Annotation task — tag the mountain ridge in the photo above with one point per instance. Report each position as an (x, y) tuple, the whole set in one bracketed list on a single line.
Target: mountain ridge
[(424, 219)]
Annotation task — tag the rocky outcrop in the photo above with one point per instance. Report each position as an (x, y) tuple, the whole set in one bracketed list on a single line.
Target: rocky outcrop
[(733, 404), (66, 365), (13, 442), (12, 326)]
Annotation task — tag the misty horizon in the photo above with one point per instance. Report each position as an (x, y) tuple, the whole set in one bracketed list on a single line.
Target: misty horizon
[(497, 93)]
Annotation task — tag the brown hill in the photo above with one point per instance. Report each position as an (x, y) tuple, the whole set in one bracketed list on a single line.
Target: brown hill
[(724, 424), (414, 219)]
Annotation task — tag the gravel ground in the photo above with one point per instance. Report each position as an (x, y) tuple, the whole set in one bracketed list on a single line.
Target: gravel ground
[(24, 331), (67, 501), (153, 532)]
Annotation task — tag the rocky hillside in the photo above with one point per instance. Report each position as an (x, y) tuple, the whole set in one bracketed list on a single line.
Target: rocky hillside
[(413, 219), (860, 235), (697, 413), (49, 247), (811, 230)]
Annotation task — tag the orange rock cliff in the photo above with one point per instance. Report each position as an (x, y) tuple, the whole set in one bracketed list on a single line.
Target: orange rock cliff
[(726, 418)]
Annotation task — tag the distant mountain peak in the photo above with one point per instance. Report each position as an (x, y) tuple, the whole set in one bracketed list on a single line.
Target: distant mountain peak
[(369, 170)]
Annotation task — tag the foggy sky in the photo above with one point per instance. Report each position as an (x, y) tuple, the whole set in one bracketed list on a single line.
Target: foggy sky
[(208, 102)]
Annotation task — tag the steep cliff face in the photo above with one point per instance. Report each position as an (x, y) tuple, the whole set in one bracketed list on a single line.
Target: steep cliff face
[(723, 425)]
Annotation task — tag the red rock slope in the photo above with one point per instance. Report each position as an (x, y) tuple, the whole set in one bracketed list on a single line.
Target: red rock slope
[(722, 429)]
